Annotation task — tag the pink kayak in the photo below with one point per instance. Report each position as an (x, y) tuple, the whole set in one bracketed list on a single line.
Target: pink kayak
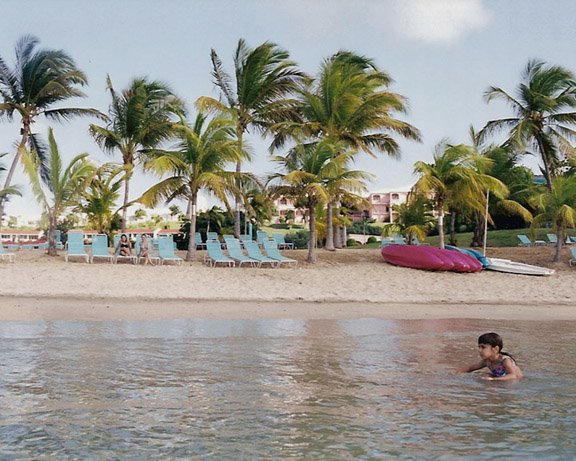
[(429, 258)]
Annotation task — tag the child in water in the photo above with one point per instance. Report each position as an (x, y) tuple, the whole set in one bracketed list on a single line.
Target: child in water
[(501, 365)]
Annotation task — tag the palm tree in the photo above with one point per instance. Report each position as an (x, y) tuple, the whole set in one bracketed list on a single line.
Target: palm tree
[(39, 80), (198, 162), (349, 103), (544, 115), (453, 182), (257, 97), (60, 188), (557, 206), (415, 219), (310, 170), (140, 118), (98, 201)]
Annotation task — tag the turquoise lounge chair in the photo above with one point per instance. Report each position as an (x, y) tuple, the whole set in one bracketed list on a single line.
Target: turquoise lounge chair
[(75, 246), (552, 239), (198, 243), (118, 257), (254, 252), (261, 236), (100, 248), (525, 241), (235, 252), (214, 255), (11, 257), (166, 250), (153, 252), (572, 260), (273, 252), (282, 243)]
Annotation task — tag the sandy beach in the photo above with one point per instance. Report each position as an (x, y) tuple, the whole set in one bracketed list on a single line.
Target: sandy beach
[(343, 284)]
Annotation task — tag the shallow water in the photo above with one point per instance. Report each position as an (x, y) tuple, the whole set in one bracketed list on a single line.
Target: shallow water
[(269, 389)]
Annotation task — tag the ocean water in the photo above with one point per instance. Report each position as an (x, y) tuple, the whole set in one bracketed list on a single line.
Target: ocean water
[(281, 389)]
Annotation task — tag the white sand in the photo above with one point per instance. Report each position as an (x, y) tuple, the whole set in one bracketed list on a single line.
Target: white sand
[(41, 287)]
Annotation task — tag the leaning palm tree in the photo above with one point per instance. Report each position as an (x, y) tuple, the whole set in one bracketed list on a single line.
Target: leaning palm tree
[(349, 103), (6, 192), (544, 114), (40, 79), (198, 162), (60, 188), (453, 181), (257, 97), (557, 206), (310, 172), (414, 219), (140, 118)]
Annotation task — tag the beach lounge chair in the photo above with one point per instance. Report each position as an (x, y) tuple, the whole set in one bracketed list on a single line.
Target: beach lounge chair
[(214, 255), (10, 257), (525, 241), (153, 252), (552, 239), (254, 252), (118, 257), (282, 243), (198, 243), (261, 236), (75, 247), (235, 252), (166, 250), (272, 251), (100, 248), (572, 260)]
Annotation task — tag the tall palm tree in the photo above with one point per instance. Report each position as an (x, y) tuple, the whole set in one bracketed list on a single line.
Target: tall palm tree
[(140, 118), (544, 114), (559, 207), (40, 79), (415, 219), (6, 192), (349, 103), (257, 97), (60, 188), (309, 172), (198, 162), (452, 181)]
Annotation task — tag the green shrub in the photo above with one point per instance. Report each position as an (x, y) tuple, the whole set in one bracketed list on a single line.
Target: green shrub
[(299, 238), (351, 243), (371, 239)]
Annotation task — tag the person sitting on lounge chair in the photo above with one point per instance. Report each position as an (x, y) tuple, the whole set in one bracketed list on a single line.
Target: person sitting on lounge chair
[(145, 250), (124, 248)]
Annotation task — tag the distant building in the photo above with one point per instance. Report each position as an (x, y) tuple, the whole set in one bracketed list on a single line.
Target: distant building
[(283, 208)]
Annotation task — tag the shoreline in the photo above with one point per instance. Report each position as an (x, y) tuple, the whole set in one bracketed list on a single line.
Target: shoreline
[(76, 308)]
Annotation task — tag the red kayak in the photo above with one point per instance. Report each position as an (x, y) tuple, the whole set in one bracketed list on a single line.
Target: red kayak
[(429, 258)]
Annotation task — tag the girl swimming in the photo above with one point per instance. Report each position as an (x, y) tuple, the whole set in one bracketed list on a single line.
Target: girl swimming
[(501, 364)]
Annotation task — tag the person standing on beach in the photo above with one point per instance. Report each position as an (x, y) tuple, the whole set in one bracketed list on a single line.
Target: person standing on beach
[(502, 365)]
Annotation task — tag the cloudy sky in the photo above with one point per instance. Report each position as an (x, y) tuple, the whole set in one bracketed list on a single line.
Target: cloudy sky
[(442, 55)]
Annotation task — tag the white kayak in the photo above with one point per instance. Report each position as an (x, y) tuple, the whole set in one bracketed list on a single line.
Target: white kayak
[(512, 267)]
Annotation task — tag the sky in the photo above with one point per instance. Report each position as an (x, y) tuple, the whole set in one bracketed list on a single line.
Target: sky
[(441, 54)]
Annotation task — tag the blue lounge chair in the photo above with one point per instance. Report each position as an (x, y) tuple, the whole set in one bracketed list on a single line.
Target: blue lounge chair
[(75, 246), (166, 250), (118, 257), (235, 252), (214, 255), (282, 243), (254, 252), (572, 260), (261, 236), (198, 243), (100, 248), (525, 241), (273, 252), (153, 252), (552, 239), (11, 257)]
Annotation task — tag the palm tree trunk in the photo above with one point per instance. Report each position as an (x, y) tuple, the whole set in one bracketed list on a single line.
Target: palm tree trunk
[(191, 253), (453, 240), (547, 172), (478, 234), (559, 242), (441, 227), (329, 245), (125, 208), (52, 251), (338, 236), (311, 258), (15, 161)]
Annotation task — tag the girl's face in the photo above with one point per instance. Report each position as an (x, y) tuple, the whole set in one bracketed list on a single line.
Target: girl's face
[(123, 237), (487, 351)]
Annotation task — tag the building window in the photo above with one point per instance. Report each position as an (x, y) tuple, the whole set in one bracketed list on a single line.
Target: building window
[(375, 198), (395, 197), (283, 201)]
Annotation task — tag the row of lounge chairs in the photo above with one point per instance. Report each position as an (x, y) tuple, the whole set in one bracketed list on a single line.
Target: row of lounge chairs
[(161, 253), (252, 256), (261, 237), (551, 239)]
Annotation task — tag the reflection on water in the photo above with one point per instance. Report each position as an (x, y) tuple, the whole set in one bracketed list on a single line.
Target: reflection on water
[(337, 389)]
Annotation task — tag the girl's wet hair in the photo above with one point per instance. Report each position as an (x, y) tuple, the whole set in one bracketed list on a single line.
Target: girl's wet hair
[(491, 339)]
